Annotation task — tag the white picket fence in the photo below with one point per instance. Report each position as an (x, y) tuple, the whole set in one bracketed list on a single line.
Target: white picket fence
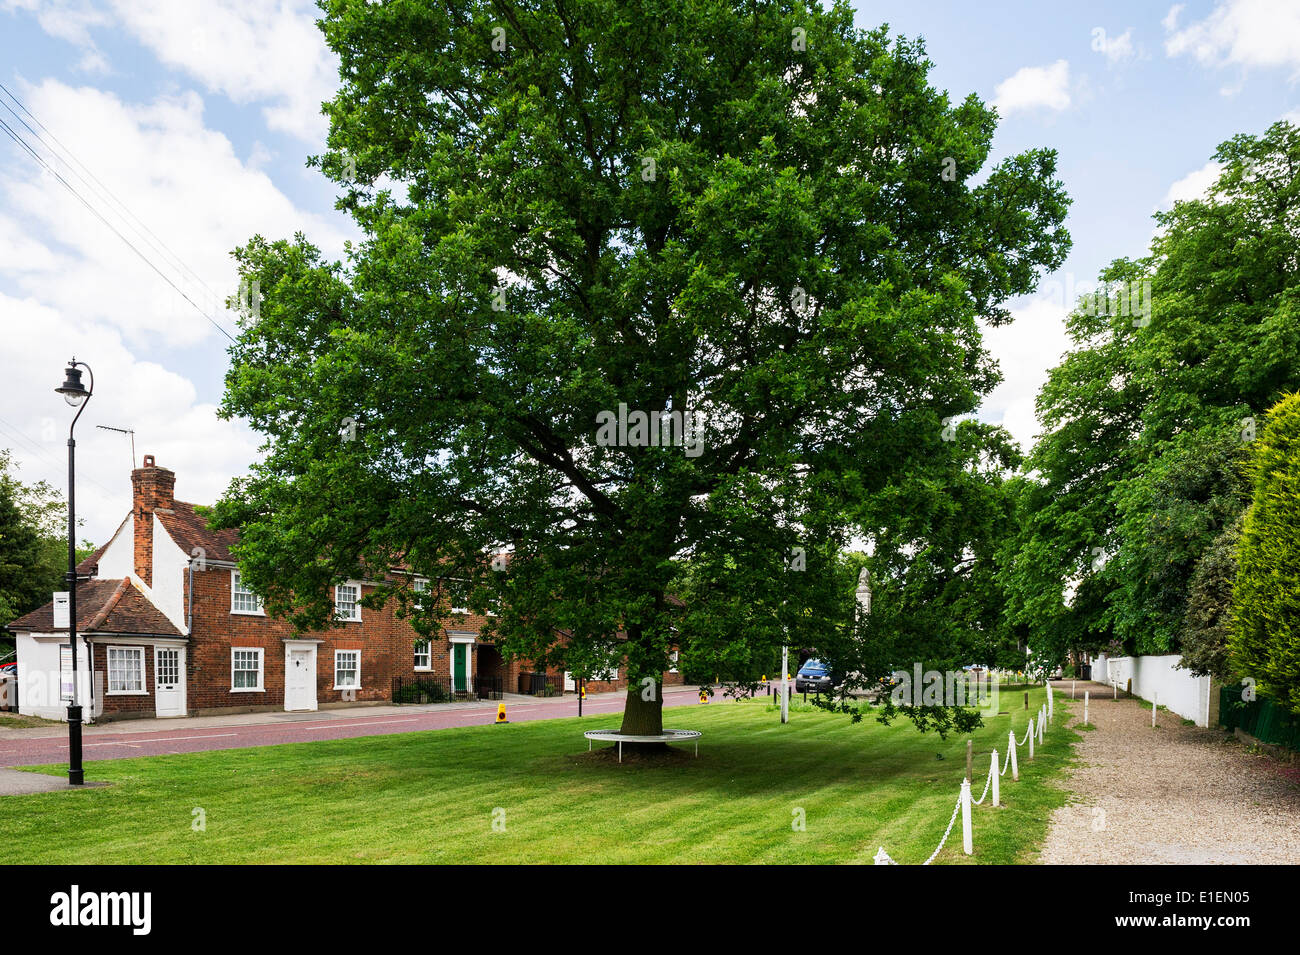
[(1033, 733)]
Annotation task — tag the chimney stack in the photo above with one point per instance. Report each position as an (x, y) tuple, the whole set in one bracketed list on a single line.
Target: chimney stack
[(152, 489)]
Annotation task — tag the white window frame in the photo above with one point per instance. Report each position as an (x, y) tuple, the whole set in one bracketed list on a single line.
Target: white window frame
[(235, 584), (356, 606), (420, 585), (609, 675), (144, 677), (427, 654), (261, 670), (459, 611), (347, 686)]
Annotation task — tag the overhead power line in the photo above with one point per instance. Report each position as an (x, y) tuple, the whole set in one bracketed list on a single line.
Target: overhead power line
[(26, 146)]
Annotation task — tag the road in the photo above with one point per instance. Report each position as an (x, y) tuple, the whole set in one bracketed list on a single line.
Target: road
[(201, 734)]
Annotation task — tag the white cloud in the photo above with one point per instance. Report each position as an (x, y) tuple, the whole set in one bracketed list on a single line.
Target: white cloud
[(160, 405), (250, 50), (1170, 22), (180, 178), (69, 20), (69, 286), (1115, 48), (1026, 349), (1194, 185), (1032, 87), (253, 51), (1244, 33)]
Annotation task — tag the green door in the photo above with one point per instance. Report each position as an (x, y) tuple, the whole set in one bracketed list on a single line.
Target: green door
[(459, 658)]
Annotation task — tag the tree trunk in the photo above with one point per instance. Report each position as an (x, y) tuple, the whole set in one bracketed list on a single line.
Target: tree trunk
[(643, 717)]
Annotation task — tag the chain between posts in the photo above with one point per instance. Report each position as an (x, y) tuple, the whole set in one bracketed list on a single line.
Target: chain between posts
[(882, 857)]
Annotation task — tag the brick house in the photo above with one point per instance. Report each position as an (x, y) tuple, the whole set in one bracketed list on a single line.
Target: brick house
[(166, 628)]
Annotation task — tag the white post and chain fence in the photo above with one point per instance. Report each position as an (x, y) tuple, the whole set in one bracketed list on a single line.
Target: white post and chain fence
[(1036, 728)]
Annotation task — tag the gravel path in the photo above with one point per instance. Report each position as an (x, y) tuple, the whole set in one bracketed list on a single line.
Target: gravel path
[(1174, 794)]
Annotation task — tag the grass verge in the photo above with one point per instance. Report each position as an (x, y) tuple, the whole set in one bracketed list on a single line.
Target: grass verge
[(524, 793)]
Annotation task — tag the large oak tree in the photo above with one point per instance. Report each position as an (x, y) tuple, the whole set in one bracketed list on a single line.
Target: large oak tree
[(751, 213)]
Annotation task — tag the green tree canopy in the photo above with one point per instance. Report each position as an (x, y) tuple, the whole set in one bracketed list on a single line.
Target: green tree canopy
[(1146, 420), (33, 542), (755, 215)]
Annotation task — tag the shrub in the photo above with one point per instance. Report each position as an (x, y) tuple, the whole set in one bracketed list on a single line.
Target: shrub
[(1264, 633), (1206, 622)]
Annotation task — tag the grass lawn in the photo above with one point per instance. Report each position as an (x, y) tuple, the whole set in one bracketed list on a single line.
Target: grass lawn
[(26, 722), (429, 797)]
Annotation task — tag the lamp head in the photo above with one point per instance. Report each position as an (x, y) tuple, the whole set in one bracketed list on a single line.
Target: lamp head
[(73, 391)]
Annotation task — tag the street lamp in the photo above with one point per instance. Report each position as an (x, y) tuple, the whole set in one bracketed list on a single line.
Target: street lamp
[(76, 395)]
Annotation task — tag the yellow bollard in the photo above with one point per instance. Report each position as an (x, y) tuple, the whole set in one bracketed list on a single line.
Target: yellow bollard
[(501, 713)]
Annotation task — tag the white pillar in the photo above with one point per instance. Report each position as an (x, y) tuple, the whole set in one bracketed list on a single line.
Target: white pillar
[(965, 818), (1153, 710), (1031, 737), (1085, 707), (1072, 683), (1049, 699), (1042, 719), (995, 776), (1015, 766), (785, 684)]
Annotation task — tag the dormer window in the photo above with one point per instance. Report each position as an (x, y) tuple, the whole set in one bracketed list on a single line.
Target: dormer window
[(347, 602), (243, 600)]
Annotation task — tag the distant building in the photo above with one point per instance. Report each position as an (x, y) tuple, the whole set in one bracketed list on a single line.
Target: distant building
[(167, 628)]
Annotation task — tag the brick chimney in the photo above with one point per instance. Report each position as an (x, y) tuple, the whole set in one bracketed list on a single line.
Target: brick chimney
[(152, 488)]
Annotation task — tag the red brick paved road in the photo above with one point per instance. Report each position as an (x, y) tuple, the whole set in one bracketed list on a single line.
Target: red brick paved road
[(101, 743)]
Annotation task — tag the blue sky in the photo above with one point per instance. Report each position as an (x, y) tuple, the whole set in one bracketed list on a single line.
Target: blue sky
[(198, 116)]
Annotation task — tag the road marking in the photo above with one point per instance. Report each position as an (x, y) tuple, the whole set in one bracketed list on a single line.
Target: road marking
[(164, 739), (367, 723)]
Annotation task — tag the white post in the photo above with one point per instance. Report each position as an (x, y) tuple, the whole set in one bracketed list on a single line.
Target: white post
[(1072, 683), (1049, 699), (965, 818), (1031, 737), (1015, 767), (1041, 720), (1153, 710), (1114, 690), (785, 684), (1085, 707), (995, 776)]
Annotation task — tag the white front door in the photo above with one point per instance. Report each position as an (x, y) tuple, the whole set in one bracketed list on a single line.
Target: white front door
[(169, 681), (300, 678)]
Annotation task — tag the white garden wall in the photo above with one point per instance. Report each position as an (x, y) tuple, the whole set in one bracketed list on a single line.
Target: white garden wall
[(1178, 690)]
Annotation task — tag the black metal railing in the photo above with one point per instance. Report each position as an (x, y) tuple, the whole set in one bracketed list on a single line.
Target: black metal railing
[(438, 689), (541, 684)]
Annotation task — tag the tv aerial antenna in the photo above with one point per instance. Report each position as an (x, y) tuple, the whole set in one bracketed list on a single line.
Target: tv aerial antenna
[(127, 431)]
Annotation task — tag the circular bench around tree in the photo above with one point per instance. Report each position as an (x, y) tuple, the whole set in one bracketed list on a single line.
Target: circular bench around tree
[(667, 736)]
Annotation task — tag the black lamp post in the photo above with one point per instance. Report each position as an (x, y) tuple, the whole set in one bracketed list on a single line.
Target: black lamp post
[(76, 395)]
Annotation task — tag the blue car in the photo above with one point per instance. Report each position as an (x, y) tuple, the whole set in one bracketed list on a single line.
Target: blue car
[(813, 677)]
